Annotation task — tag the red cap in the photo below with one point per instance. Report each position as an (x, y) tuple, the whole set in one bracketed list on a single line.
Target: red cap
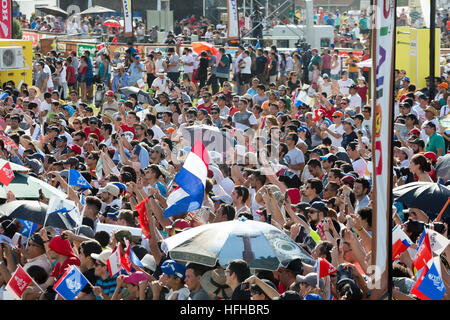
[(430, 155), (75, 148), (109, 93), (178, 225), (73, 52), (414, 131)]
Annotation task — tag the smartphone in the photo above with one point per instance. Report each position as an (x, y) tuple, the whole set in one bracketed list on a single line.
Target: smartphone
[(245, 286), (269, 218)]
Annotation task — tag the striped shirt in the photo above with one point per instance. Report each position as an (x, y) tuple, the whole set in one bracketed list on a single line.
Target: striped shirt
[(108, 285)]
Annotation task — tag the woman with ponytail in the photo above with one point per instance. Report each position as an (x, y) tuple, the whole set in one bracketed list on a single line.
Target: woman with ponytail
[(420, 166)]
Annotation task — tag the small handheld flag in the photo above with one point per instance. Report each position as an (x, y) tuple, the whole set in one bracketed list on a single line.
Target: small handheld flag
[(19, 282), (6, 174), (400, 242), (430, 285), (126, 259), (76, 179), (70, 284), (114, 262), (191, 181), (424, 253), (143, 219)]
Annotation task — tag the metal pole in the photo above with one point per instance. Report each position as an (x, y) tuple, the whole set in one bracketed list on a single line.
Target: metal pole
[(204, 8), (432, 46)]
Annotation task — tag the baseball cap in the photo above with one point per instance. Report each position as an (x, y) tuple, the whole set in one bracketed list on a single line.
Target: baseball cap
[(313, 296), (320, 206), (302, 206), (443, 85), (318, 151), (349, 121), (103, 256), (348, 179), (93, 119), (406, 79), (173, 268), (109, 93), (135, 278), (338, 113), (289, 295), (72, 160), (75, 148), (330, 157), (414, 131), (295, 265), (282, 87), (149, 262), (178, 225), (430, 155), (311, 280), (203, 111), (110, 188), (303, 128), (224, 198)]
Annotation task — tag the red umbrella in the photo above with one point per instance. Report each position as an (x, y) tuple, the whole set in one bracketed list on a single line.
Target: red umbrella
[(198, 47), (111, 23)]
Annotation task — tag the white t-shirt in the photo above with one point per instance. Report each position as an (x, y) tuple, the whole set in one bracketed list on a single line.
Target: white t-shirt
[(355, 101), (344, 85), (294, 157), (50, 81), (336, 141), (337, 69), (247, 65), (187, 59), (158, 133), (162, 85), (183, 294)]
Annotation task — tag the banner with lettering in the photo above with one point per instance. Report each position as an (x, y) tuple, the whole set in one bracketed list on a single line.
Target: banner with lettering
[(127, 18), (233, 20), (6, 20), (383, 36)]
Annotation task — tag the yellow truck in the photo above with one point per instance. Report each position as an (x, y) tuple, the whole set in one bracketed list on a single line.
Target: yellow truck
[(16, 61)]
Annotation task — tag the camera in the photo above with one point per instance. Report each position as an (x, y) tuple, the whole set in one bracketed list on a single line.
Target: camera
[(439, 227), (346, 284)]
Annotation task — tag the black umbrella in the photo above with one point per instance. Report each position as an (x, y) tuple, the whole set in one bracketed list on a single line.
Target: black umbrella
[(429, 197), (36, 211), (142, 96)]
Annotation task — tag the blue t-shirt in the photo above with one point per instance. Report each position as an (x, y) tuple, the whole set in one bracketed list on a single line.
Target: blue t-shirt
[(135, 74), (162, 189)]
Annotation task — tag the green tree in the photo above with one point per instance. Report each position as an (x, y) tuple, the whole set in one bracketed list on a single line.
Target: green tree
[(16, 30)]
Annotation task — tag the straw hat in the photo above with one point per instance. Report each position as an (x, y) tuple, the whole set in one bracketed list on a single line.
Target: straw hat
[(213, 281), (38, 91)]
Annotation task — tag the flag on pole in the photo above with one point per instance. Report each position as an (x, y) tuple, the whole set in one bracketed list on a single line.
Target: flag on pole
[(400, 242), (76, 179), (28, 227), (191, 181), (143, 219), (19, 282), (114, 261), (424, 253), (134, 259), (126, 259), (67, 208), (430, 285), (438, 242), (6, 174), (324, 268), (101, 46), (71, 283)]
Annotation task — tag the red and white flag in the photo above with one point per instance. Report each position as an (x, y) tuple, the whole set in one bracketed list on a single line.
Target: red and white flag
[(6, 174), (424, 252), (6, 20), (324, 268), (19, 282), (114, 262), (400, 242), (126, 257)]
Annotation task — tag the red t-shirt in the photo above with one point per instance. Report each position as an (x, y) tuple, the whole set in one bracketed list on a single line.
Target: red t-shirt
[(125, 127), (362, 91), (233, 110), (71, 75), (207, 108), (328, 113), (87, 130)]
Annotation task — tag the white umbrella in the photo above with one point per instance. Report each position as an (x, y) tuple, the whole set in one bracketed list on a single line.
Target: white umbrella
[(96, 9), (14, 166)]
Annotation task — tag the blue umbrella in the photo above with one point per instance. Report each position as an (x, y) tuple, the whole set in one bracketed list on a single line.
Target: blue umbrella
[(260, 244)]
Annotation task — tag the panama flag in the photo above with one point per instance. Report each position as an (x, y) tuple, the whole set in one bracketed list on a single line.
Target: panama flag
[(400, 242), (71, 283), (114, 262), (437, 241), (430, 285), (424, 253), (6, 174), (191, 181)]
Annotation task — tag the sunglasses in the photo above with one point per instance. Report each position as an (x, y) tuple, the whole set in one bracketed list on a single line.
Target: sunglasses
[(77, 123), (214, 113), (336, 117), (344, 103), (99, 264)]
